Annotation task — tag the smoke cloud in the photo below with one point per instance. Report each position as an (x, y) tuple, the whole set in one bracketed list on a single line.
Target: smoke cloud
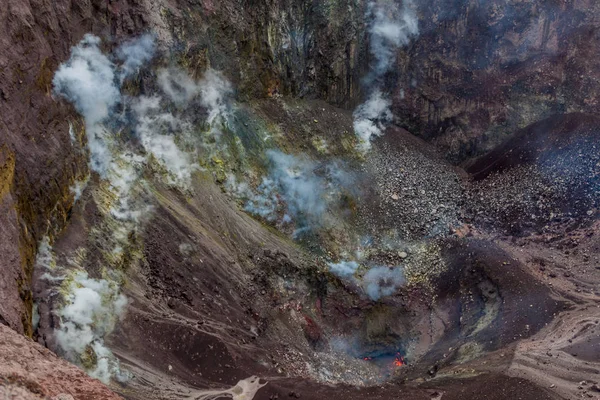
[(214, 91), (265, 203), (92, 81), (87, 80), (177, 85), (78, 188), (157, 130), (301, 189), (343, 269), (297, 190), (380, 282), (370, 118), (377, 282), (135, 53), (45, 257), (91, 310), (390, 29)]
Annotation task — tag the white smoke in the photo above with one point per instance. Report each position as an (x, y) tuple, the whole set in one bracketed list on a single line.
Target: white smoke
[(78, 188), (87, 80), (177, 85), (92, 82), (46, 261), (91, 311), (343, 269), (390, 29), (265, 202), (370, 118), (72, 134), (135, 53), (380, 282), (302, 190), (45, 258), (297, 189), (215, 90), (156, 130), (35, 317), (46, 265)]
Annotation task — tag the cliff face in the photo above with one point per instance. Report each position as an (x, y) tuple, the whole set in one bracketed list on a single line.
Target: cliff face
[(39, 162), (305, 48), (481, 70), (38, 166)]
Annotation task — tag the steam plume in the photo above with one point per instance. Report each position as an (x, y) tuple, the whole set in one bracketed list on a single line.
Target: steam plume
[(91, 81), (380, 282), (390, 29), (343, 269), (156, 132), (87, 80), (177, 85), (215, 89), (297, 189), (91, 312), (135, 53)]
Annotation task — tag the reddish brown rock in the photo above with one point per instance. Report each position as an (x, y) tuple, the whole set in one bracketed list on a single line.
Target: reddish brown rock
[(30, 371)]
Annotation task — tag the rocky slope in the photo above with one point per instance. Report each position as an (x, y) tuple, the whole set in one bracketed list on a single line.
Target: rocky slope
[(30, 371), (239, 230)]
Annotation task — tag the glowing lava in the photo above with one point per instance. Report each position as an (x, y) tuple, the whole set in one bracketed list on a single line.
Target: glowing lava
[(399, 360)]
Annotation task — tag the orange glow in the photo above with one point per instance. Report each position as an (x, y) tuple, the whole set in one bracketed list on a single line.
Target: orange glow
[(399, 360)]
